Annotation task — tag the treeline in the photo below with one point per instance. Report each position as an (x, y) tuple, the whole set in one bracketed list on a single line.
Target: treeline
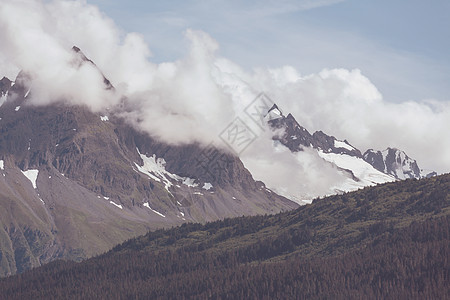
[(390, 241), (409, 263)]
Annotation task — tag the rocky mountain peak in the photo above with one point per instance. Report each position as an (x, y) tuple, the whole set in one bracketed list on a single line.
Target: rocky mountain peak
[(76, 49), (273, 113), (396, 163), (391, 161), (81, 55), (358, 170), (14, 93), (296, 137), (81, 58), (275, 107), (5, 84)]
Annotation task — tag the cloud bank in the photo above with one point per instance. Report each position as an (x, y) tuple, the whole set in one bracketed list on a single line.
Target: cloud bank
[(197, 96)]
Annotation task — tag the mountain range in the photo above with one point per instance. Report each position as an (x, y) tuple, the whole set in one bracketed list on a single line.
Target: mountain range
[(74, 183), (358, 170)]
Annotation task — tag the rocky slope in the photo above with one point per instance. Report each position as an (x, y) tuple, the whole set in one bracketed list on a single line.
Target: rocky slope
[(74, 183)]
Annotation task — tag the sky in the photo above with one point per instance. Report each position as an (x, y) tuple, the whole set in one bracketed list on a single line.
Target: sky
[(373, 72), (402, 46)]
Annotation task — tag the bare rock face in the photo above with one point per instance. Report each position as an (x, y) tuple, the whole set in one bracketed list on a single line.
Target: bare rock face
[(375, 158), (296, 137), (74, 183), (396, 163), (80, 59), (5, 85)]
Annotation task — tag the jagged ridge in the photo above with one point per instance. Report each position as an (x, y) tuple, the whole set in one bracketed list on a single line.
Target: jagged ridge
[(371, 168)]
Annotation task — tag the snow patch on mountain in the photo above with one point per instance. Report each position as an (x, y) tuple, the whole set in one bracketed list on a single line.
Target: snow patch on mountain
[(366, 174), (395, 162), (207, 186), (155, 211), (190, 182), (32, 176), (341, 144), (147, 171), (403, 166), (115, 204), (2, 165), (155, 168), (3, 98), (384, 155)]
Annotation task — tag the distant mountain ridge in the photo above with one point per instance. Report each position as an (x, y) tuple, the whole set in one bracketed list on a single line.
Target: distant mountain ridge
[(397, 163), (296, 136), (373, 167)]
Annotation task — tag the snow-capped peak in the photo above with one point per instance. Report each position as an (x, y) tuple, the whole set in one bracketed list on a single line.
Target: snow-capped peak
[(396, 163), (273, 113)]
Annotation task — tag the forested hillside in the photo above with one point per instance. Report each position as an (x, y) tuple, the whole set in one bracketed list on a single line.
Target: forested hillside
[(389, 241)]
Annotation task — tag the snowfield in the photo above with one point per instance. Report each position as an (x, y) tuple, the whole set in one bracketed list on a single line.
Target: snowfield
[(32, 176), (341, 144), (367, 174), (155, 168)]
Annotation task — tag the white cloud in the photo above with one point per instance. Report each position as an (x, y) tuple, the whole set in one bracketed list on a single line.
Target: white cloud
[(33, 36), (300, 176), (197, 96), (347, 105)]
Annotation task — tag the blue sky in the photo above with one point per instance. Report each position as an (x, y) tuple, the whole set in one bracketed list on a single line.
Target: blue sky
[(401, 46)]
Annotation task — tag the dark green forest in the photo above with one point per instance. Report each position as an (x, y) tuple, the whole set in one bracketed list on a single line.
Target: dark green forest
[(385, 242)]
